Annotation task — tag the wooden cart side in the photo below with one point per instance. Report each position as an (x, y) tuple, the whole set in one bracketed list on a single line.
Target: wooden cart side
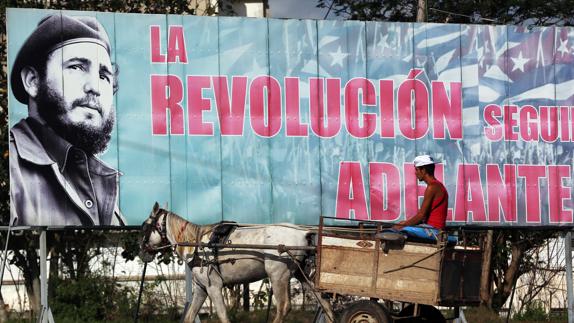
[(356, 266), (460, 277), (376, 256), (410, 274)]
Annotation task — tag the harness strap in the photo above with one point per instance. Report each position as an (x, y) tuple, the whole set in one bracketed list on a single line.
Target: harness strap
[(163, 228), (182, 230), (194, 259), (198, 235)]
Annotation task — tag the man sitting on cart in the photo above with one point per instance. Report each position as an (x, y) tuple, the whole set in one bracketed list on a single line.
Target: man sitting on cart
[(431, 217)]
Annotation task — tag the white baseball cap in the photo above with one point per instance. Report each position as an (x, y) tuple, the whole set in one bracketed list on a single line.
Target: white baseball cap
[(423, 160)]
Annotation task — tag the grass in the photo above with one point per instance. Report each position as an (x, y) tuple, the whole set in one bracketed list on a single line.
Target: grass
[(472, 314), (484, 315), (259, 316)]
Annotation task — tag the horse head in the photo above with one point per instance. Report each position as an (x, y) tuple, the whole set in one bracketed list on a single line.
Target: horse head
[(154, 234)]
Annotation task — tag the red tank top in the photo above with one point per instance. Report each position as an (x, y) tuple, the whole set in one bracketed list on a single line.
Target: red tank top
[(437, 216)]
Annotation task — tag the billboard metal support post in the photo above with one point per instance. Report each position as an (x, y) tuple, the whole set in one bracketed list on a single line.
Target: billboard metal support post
[(569, 287), (5, 256), (46, 312)]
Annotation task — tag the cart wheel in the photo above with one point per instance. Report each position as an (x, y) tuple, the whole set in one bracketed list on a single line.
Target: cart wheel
[(427, 313), (365, 312)]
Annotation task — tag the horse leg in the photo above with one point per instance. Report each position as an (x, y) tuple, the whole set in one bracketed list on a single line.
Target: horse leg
[(199, 296), (279, 278), (216, 297)]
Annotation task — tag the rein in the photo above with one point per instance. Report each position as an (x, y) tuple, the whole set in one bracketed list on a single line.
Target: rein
[(196, 241), (161, 226), (162, 229)]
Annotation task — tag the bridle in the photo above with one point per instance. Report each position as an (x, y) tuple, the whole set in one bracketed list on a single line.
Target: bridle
[(154, 224), (157, 222)]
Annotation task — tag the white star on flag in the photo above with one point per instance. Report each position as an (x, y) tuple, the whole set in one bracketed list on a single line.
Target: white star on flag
[(519, 62), (383, 43), (480, 53), (338, 57), (563, 48)]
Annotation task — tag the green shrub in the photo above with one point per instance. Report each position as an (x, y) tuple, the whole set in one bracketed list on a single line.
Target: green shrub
[(89, 299), (532, 312)]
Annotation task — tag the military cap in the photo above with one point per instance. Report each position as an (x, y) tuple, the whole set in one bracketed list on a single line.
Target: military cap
[(53, 32)]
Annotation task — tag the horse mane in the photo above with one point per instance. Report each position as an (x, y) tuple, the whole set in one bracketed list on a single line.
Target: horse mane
[(180, 230)]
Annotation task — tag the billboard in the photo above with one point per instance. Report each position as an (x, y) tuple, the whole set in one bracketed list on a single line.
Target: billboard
[(267, 120)]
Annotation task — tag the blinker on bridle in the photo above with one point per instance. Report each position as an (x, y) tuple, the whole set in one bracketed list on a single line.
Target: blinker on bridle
[(148, 228)]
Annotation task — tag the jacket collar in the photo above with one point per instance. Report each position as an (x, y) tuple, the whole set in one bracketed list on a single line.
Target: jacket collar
[(40, 145)]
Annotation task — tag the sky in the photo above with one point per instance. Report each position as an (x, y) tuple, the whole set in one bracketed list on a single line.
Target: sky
[(302, 9)]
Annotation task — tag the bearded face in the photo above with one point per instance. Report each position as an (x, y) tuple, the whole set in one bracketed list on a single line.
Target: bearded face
[(75, 97), (91, 139)]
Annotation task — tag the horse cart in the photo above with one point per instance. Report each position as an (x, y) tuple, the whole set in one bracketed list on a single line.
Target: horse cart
[(370, 274), (400, 280)]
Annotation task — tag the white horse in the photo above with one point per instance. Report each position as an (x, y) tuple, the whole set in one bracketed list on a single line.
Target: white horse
[(164, 229)]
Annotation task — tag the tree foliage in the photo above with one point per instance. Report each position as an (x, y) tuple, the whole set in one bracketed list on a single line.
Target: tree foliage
[(528, 12), (542, 282), (514, 254)]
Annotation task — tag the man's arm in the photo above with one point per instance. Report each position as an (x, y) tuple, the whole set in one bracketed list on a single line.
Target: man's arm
[(430, 194)]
